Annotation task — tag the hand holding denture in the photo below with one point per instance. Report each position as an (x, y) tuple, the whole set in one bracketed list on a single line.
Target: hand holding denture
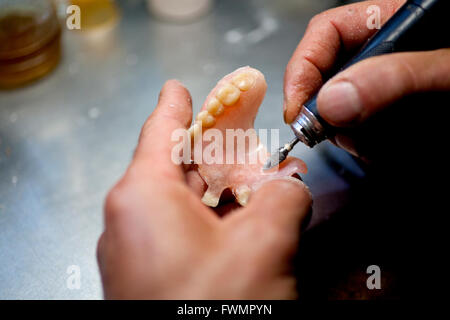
[(161, 241)]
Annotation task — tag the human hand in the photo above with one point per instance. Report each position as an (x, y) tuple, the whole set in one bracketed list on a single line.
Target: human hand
[(161, 242), (356, 94)]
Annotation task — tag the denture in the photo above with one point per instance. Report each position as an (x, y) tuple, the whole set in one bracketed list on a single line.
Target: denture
[(233, 104)]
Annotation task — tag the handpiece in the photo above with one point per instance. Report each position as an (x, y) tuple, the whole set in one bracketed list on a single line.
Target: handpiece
[(402, 32)]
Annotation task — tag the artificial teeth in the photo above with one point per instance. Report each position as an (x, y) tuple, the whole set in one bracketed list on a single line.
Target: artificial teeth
[(210, 200), (214, 107), (195, 129), (243, 195), (244, 81), (206, 119), (228, 94)]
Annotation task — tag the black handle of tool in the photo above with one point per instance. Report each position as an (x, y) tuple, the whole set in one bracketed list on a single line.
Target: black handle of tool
[(409, 29)]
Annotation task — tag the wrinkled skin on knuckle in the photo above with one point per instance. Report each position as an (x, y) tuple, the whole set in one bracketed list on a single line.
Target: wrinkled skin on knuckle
[(303, 77), (316, 19), (322, 17)]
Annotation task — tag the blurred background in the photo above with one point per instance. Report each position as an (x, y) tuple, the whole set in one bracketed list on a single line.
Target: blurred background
[(72, 103)]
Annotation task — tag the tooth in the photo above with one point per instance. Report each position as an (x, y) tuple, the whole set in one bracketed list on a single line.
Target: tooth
[(244, 81), (228, 94), (206, 119), (202, 115), (209, 121), (195, 129), (215, 107), (243, 194), (210, 199)]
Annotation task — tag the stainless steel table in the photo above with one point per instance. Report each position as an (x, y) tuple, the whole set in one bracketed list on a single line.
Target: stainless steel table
[(66, 139)]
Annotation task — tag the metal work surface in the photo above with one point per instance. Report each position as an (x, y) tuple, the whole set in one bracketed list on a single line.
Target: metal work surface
[(66, 139)]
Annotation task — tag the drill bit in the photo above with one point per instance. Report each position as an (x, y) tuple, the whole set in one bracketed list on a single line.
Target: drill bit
[(280, 155)]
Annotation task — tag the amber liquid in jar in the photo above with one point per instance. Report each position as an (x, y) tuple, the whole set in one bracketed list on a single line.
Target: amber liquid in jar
[(97, 14), (29, 46)]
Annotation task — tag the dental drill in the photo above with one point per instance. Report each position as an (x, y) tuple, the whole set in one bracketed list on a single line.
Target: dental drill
[(404, 31)]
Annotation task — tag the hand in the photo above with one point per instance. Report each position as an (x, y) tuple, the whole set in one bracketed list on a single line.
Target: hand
[(359, 92), (161, 242)]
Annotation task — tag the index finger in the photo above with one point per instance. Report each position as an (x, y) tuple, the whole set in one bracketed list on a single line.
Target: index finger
[(153, 153), (343, 28)]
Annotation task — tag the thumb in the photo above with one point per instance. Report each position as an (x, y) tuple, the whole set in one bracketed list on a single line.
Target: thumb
[(281, 203), (367, 87)]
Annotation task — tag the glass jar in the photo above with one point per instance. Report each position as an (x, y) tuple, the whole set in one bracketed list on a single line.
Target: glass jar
[(29, 41), (179, 10), (97, 15)]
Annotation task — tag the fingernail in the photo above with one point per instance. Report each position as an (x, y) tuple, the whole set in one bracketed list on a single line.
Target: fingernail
[(286, 181), (294, 181), (339, 103), (297, 182)]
